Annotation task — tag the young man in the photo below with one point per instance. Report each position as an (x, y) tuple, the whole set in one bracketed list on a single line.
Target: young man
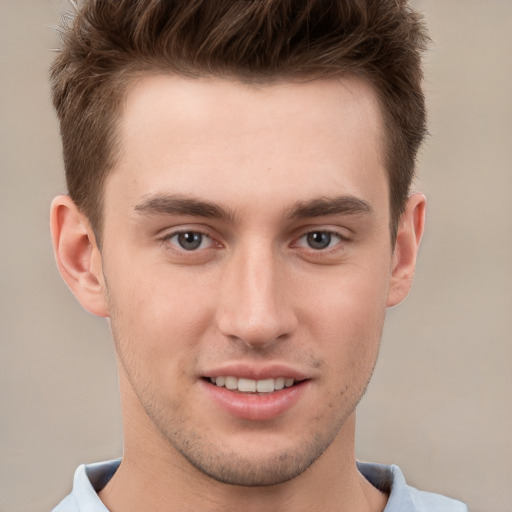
[(239, 209)]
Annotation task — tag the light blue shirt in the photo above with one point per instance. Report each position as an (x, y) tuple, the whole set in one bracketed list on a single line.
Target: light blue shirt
[(91, 478)]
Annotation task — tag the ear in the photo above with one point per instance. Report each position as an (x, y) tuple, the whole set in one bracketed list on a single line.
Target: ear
[(410, 229), (77, 254)]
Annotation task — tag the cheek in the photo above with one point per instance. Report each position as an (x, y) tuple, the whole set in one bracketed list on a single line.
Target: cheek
[(345, 317), (156, 314), (350, 300)]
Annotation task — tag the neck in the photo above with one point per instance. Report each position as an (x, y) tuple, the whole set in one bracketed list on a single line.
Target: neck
[(153, 476)]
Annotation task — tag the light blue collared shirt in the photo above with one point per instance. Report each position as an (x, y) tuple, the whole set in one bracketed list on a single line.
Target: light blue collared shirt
[(90, 479)]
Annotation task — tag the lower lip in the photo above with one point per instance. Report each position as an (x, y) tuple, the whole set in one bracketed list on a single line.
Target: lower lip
[(256, 407)]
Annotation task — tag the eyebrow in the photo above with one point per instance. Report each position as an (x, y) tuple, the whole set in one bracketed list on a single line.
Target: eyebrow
[(346, 205), (176, 204)]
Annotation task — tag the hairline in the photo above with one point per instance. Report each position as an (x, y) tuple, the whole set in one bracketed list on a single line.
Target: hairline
[(127, 78)]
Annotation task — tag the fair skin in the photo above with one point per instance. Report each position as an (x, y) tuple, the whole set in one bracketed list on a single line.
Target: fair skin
[(246, 235)]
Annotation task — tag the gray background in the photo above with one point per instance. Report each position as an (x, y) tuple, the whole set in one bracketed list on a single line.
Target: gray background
[(440, 403)]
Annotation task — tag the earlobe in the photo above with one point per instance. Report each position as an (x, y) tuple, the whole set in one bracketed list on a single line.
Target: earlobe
[(77, 254), (410, 230)]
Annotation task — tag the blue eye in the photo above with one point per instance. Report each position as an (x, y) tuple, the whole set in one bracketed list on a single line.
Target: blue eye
[(319, 240), (190, 240)]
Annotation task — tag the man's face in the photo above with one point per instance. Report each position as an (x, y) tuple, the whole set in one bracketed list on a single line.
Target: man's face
[(246, 242)]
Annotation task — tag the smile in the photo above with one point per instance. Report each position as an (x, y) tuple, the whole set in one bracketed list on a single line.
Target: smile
[(255, 399), (252, 386)]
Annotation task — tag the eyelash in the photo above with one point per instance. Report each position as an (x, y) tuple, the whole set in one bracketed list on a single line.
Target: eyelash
[(331, 234), (167, 239)]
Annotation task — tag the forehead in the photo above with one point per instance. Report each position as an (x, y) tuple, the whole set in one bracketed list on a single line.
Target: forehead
[(233, 142)]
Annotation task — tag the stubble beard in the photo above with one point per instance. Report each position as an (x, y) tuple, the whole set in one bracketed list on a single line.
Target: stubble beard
[(215, 459), (225, 465)]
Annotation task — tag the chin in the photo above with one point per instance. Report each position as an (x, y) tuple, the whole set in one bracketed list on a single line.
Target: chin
[(264, 462), (241, 471)]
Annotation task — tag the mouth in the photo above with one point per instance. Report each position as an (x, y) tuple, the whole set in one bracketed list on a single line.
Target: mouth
[(244, 385), (256, 399)]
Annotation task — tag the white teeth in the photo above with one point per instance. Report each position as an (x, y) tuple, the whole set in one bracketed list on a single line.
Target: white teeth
[(264, 386), (279, 383), (251, 385), (231, 382), (247, 385)]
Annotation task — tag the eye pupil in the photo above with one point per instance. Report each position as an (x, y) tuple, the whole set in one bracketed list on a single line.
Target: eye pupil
[(190, 241), (319, 239)]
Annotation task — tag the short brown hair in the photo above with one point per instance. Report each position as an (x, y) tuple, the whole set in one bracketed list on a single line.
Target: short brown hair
[(107, 43)]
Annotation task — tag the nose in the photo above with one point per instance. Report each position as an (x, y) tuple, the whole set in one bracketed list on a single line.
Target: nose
[(256, 298)]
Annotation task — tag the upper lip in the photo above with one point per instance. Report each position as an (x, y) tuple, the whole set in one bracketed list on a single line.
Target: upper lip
[(255, 372)]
